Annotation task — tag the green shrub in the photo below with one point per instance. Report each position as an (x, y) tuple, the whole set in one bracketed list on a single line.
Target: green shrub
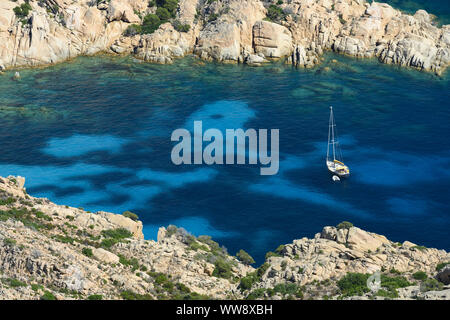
[(7, 201), (117, 234), (195, 296), (182, 288), (431, 285), (9, 242), (247, 282), (390, 286), (95, 297), (394, 271), (131, 215), (64, 239), (271, 254), (441, 266), (171, 6), (280, 248), (255, 294), (222, 269), (275, 13), (344, 225), (194, 245), (387, 293), (420, 275), (161, 278), (48, 296), (171, 230), (251, 278), (41, 215), (177, 25), (27, 217), (290, 289), (133, 262), (35, 287), (244, 257), (14, 283), (353, 284), (150, 24), (87, 252), (213, 17), (23, 10), (108, 243), (130, 295), (163, 14)]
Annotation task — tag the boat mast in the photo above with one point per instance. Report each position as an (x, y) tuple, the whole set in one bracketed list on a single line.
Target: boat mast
[(329, 135), (332, 132)]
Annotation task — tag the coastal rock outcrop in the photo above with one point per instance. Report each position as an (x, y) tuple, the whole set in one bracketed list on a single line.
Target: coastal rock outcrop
[(224, 30), (68, 253)]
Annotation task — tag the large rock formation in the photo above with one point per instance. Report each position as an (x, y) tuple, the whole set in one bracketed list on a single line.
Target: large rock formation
[(224, 30), (68, 253), (74, 254)]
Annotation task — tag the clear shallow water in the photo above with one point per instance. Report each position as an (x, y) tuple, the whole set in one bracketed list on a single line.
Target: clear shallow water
[(95, 133)]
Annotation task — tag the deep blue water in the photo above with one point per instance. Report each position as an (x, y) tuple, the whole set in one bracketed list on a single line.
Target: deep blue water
[(439, 8), (95, 133)]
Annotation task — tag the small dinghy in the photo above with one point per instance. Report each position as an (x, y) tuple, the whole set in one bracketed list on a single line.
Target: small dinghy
[(335, 162), (336, 178)]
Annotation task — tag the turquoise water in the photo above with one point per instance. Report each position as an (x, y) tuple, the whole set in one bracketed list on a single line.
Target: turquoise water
[(95, 133)]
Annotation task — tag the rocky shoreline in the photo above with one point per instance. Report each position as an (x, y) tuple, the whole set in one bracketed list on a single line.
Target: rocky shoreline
[(253, 32), (50, 251)]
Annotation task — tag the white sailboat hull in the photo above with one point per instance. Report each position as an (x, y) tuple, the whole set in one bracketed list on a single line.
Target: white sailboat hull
[(338, 168)]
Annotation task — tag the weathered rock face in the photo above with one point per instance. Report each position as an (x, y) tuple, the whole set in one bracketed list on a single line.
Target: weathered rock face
[(333, 253), (226, 31), (230, 35), (67, 251), (48, 38), (271, 39), (119, 10), (63, 249)]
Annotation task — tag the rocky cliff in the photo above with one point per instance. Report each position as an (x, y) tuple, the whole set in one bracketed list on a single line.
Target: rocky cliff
[(235, 31), (50, 251)]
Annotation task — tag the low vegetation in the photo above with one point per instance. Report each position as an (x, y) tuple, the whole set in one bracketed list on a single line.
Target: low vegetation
[(353, 284), (430, 284), (419, 275), (442, 265), (165, 12), (13, 283), (23, 10), (87, 252), (131, 215), (344, 225), (113, 236), (244, 257), (275, 13), (167, 289), (254, 277), (30, 218)]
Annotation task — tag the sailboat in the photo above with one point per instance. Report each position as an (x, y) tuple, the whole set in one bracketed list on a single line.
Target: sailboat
[(335, 162)]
